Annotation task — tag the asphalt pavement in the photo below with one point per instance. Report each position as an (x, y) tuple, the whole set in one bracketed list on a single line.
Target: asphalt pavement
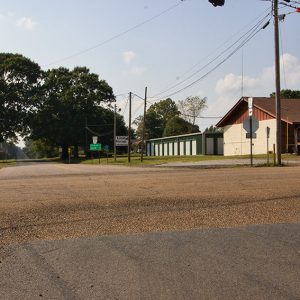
[(251, 262)]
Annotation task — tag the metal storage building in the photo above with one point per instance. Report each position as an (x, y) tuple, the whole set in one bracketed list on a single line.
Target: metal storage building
[(186, 144)]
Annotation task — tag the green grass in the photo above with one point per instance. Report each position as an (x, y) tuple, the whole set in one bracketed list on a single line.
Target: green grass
[(152, 160), (156, 160), (7, 163)]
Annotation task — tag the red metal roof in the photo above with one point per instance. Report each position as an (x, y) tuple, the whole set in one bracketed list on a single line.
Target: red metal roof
[(290, 110)]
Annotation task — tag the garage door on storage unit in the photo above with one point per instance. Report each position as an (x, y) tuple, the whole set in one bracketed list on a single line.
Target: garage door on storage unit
[(170, 148), (156, 150), (220, 146), (194, 147), (209, 146), (175, 148), (181, 148), (188, 148), (165, 149)]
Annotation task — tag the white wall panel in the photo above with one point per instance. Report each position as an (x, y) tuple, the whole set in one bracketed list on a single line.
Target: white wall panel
[(171, 149), (188, 148), (235, 142), (175, 148), (194, 148), (166, 149), (156, 149), (181, 148), (160, 149)]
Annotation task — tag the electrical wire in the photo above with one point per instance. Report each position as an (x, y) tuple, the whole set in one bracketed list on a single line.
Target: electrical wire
[(114, 37), (249, 32), (244, 42), (220, 46)]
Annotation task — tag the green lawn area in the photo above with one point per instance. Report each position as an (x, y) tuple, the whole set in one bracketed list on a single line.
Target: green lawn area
[(151, 160), (7, 163)]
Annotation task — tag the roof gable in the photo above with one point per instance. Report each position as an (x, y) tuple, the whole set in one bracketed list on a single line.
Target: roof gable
[(290, 110)]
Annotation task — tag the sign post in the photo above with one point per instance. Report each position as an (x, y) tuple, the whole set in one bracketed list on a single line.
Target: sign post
[(250, 107), (268, 136), (251, 125), (106, 149), (95, 147)]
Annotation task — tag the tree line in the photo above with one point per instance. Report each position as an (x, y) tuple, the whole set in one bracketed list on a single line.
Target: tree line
[(53, 107), (61, 107)]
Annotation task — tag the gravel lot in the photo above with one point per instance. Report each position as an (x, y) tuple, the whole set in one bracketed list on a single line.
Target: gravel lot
[(54, 201)]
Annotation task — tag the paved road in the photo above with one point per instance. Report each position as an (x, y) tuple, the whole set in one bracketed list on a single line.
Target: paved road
[(58, 201), (253, 262), (174, 256)]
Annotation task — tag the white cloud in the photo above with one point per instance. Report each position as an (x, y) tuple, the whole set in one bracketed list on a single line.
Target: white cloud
[(128, 56), (228, 89), (137, 71), (233, 83), (26, 24)]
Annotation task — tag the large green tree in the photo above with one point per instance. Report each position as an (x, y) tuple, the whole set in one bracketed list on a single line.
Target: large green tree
[(71, 100), (20, 82), (178, 125), (157, 117)]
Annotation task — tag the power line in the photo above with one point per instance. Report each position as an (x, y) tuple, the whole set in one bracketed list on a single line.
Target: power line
[(115, 36), (245, 41), (219, 47), (249, 32)]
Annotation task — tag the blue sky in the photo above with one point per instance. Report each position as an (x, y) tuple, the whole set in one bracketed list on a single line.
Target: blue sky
[(158, 53)]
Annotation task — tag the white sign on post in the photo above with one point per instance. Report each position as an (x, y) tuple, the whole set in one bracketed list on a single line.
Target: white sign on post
[(95, 139), (250, 106), (122, 140)]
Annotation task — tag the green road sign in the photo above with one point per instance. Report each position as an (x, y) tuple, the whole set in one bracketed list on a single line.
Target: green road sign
[(95, 147)]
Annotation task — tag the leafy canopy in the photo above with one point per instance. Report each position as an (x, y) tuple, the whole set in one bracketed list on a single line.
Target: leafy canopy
[(20, 82)]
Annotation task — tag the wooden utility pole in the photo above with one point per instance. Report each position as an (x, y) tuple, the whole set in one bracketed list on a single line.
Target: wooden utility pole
[(277, 82), (144, 125), (129, 129), (115, 133)]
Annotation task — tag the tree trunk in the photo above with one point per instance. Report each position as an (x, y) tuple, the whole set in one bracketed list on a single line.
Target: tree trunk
[(64, 152), (75, 153)]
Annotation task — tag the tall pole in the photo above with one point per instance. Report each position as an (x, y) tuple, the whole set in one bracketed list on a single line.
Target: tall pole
[(251, 145), (129, 128), (277, 83), (86, 141), (144, 125), (115, 133)]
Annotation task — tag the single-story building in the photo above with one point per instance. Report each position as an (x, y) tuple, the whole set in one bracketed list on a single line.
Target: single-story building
[(187, 144), (235, 141)]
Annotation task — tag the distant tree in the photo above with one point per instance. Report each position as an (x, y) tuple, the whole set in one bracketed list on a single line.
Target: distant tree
[(177, 126), (157, 117), (213, 129), (39, 149), (20, 81), (192, 107), (288, 94)]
